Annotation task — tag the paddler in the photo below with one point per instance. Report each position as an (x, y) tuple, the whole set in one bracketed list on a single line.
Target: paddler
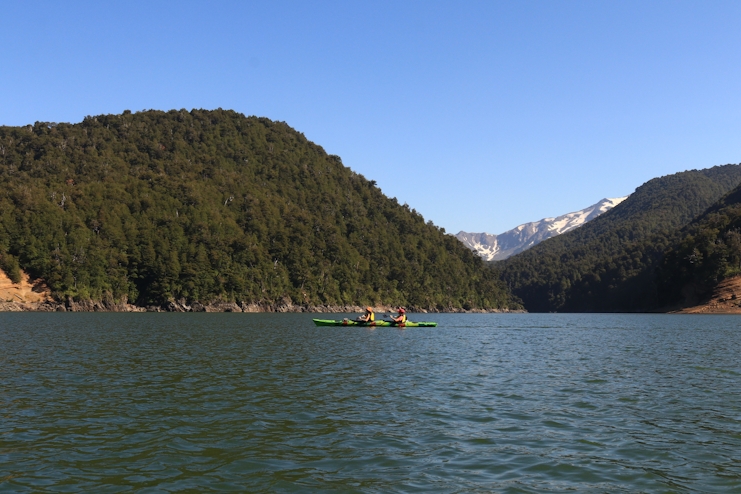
[(402, 317), (369, 316)]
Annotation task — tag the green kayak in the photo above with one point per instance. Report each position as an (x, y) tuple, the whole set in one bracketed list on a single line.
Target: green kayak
[(350, 322)]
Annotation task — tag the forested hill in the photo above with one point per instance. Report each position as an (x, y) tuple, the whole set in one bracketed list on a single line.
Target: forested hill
[(707, 252), (212, 205), (608, 264)]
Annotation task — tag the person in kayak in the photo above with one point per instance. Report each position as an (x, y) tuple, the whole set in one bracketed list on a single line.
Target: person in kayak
[(369, 316), (402, 317)]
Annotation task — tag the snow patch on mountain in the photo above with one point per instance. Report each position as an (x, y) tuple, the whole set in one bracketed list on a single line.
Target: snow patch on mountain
[(498, 247)]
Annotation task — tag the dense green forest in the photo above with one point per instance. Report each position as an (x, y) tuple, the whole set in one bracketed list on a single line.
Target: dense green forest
[(708, 251), (215, 206), (609, 263)]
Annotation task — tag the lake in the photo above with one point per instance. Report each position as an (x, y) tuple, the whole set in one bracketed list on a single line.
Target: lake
[(268, 402)]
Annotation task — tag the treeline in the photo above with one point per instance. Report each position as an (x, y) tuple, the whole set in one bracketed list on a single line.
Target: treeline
[(609, 264), (215, 206)]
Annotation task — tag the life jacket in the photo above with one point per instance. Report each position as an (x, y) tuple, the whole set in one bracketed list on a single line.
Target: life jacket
[(403, 318), (372, 317)]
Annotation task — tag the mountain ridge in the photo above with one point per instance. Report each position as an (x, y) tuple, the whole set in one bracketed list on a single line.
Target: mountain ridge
[(499, 247)]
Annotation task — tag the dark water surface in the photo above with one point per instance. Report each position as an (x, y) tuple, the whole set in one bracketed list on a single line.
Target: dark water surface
[(268, 402)]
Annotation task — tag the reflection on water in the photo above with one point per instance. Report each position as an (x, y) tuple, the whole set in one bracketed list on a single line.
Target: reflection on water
[(520, 402)]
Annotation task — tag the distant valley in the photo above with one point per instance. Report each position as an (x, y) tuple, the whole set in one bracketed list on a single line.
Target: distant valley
[(666, 246), (498, 247)]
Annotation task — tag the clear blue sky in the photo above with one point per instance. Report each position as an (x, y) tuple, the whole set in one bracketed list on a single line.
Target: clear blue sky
[(480, 115)]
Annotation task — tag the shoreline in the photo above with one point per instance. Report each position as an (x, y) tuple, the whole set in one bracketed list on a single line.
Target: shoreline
[(284, 307), (32, 295), (256, 308)]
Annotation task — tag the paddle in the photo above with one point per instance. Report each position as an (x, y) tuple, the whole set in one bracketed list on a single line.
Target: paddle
[(392, 321)]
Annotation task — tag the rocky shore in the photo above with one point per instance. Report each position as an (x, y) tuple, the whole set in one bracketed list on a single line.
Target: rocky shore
[(183, 306), (34, 296)]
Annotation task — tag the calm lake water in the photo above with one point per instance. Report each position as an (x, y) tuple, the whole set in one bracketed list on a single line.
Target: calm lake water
[(268, 402)]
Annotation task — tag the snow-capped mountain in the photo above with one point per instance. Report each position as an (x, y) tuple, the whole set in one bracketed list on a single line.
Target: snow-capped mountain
[(509, 243)]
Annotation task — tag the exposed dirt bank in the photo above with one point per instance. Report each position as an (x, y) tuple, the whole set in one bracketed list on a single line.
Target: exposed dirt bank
[(726, 299), (27, 290)]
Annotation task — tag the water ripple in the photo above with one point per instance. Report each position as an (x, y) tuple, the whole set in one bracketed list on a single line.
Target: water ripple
[(257, 402)]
